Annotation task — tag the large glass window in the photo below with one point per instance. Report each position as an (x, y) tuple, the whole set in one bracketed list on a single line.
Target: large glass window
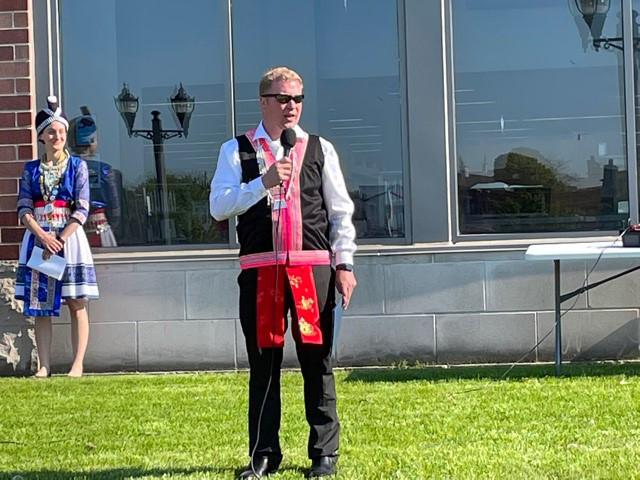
[(149, 185), (635, 29), (347, 54), (150, 179), (540, 128)]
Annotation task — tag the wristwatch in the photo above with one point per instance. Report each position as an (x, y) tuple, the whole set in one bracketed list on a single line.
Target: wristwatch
[(347, 267)]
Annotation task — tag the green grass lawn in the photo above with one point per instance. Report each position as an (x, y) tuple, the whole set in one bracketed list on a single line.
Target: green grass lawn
[(401, 423)]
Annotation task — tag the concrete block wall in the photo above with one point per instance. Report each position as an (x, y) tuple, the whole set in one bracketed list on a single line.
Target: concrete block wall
[(452, 308), (436, 308)]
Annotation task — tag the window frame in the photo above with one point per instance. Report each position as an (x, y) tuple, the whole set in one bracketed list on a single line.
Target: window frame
[(48, 61), (630, 146)]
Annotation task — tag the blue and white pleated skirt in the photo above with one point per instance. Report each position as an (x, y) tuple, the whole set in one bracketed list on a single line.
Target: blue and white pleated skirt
[(42, 295)]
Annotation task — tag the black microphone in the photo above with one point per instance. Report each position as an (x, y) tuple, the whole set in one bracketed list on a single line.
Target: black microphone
[(288, 140)]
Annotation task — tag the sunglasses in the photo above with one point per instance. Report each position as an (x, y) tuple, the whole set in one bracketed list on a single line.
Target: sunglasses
[(283, 98)]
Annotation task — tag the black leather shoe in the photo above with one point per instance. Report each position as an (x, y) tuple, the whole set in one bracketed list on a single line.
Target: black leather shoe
[(323, 467), (262, 467)]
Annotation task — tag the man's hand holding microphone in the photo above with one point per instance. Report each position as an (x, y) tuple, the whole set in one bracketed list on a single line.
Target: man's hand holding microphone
[(278, 173)]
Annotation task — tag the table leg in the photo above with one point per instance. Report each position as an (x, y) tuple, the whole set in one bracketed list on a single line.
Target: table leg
[(558, 352)]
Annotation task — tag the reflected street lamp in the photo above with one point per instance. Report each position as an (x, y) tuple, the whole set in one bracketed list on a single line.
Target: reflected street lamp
[(594, 13), (182, 106)]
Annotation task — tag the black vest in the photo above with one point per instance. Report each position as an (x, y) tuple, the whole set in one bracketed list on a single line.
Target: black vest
[(254, 226)]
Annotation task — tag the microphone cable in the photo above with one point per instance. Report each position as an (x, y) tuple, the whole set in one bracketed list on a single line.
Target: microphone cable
[(273, 319), (585, 284)]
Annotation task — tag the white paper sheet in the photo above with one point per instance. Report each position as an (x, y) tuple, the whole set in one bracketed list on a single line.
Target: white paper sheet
[(53, 267)]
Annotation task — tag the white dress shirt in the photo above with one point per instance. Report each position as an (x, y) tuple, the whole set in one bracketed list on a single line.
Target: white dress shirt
[(229, 196)]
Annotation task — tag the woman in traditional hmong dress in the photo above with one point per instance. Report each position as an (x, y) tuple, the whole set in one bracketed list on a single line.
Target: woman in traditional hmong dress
[(53, 204)]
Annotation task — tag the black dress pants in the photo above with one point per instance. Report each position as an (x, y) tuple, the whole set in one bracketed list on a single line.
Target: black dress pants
[(315, 363)]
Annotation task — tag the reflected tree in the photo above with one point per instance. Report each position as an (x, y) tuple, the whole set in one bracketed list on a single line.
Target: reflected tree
[(187, 211)]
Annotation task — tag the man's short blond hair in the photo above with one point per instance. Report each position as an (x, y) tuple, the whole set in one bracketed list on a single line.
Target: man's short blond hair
[(277, 74)]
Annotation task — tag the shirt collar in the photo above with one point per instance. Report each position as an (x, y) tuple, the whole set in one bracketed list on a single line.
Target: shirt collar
[(262, 133)]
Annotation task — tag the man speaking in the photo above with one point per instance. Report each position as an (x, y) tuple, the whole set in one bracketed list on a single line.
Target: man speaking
[(294, 219)]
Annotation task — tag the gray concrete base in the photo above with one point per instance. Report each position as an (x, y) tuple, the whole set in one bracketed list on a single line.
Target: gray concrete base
[(431, 309)]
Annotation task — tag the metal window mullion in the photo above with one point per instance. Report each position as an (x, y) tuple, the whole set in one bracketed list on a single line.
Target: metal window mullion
[(58, 56), (450, 122), (230, 69), (231, 110), (630, 108), (404, 115), (50, 47)]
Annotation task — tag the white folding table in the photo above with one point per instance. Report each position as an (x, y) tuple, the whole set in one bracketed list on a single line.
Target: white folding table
[(577, 251)]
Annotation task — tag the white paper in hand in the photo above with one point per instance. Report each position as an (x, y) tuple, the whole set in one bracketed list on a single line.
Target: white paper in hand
[(53, 267)]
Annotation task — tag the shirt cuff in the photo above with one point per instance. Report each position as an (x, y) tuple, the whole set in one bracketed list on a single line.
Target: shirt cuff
[(79, 216), (23, 211), (344, 257)]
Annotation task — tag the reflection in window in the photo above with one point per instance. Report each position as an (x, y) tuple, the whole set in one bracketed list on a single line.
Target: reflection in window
[(347, 55), (539, 123), (145, 189)]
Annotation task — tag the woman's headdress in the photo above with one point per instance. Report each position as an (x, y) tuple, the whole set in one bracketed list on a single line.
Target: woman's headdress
[(53, 113)]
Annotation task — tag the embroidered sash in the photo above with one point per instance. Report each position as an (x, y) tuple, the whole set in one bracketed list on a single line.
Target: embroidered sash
[(290, 261), (270, 305), (54, 218)]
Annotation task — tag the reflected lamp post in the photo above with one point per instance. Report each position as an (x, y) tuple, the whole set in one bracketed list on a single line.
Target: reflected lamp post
[(594, 13), (182, 106)]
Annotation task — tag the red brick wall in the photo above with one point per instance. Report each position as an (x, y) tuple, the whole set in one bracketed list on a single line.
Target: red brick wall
[(17, 142)]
